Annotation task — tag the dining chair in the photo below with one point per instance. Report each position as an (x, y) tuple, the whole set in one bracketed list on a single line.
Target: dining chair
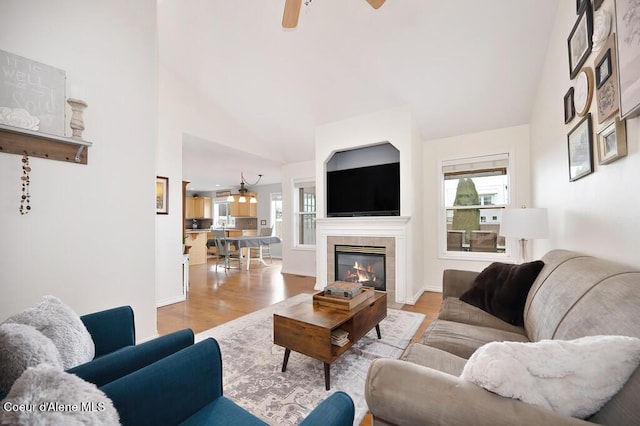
[(455, 240), (266, 232), (224, 250)]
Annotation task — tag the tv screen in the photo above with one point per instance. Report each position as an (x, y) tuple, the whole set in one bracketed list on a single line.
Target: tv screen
[(364, 191)]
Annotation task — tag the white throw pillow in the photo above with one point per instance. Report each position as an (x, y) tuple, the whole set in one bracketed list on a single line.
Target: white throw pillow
[(53, 397), (63, 326), (23, 346), (575, 377)]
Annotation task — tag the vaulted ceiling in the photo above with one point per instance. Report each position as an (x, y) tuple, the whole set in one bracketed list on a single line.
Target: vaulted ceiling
[(460, 66)]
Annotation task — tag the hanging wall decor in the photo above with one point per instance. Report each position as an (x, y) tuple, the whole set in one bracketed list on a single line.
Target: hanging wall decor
[(628, 28), (580, 38), (25, 198), (606, 81)]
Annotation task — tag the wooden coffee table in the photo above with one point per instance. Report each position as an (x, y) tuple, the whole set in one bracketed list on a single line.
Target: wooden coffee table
[(306, 328)]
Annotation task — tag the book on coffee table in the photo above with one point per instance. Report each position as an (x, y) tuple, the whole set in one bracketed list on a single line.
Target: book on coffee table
[(339, 337)]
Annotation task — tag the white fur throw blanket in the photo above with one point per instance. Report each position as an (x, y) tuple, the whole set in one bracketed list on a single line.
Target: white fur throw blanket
[(575, 377)]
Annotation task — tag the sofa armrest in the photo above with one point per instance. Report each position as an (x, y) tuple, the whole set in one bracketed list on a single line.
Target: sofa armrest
[(455, 282), (114, 365), (111, 329), (403, 393), (336, 410), (170, 390)]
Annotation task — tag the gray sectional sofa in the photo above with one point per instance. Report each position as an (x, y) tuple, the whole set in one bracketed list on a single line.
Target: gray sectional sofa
[(573, 296)]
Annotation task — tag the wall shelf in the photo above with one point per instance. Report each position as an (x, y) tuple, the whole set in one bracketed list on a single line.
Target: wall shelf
[(14, 140)]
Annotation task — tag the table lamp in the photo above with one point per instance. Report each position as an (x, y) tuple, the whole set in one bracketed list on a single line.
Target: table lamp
[(524, 224)]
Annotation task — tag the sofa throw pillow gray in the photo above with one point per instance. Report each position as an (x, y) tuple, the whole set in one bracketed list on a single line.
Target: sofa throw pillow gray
[(54, 397), (572, 377), (22, 346), (63, 326), (501, 289)]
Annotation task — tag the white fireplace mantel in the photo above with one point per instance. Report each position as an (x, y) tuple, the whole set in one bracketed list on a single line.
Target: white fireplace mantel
[(369, 226)]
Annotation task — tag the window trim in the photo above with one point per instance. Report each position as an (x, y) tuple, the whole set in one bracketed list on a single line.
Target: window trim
[(297, 214), (510, 247)]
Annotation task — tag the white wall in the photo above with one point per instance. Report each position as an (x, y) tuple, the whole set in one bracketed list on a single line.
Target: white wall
[(185, 110), (512, 139), (295, 260), (598, 214), (90, 237)]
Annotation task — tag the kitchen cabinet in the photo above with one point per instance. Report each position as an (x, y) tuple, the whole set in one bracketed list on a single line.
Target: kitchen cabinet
[(198, 208), (246, 209)]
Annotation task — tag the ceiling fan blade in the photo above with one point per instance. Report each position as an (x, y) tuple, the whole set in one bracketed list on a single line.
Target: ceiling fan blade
[(375, 3), (291, 13)]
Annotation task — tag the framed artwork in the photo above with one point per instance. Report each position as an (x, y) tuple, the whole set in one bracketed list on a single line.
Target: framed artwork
[(580, 145), (162, 195), (606, 71), (628, 27), (603, 69), (612, 142), (583, 91), (579, 41), (569, 109), (263, 222)]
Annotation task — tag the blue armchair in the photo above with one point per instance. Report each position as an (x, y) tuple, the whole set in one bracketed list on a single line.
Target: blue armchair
[(114, 336), (186, 388)]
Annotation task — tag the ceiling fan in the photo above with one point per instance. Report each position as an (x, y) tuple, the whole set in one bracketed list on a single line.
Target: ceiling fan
[(292, 11)]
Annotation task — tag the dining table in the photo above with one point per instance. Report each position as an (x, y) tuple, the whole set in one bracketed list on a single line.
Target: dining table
[(248, 241)]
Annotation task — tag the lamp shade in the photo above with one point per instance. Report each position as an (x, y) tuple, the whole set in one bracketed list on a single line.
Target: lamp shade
[(525, 223)]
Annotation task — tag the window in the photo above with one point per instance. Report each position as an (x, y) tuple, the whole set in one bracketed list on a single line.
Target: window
[(276, 213), (475, 191), (305, 214)]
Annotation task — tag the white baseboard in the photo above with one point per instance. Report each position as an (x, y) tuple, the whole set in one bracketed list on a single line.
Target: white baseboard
[(170, 301)]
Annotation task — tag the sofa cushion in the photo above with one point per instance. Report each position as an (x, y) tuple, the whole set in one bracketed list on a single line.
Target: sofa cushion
[(575, 377), (501, 289), (463, 339), (22, 346), (434, 358), (48, 389), (454, 309), (63, 326)]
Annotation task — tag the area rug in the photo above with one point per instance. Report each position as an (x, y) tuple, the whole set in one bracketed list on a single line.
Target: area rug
[(252, 375)]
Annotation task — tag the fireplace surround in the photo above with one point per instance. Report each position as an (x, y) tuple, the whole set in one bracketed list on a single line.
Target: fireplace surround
[(387, 232)]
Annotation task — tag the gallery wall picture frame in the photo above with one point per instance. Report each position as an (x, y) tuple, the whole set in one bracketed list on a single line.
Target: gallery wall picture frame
[(580, 147), (580, 39), (603, 69), (628, 54), (612, 142), (606, 76), (162, 195), (583, 91), (569, 108)]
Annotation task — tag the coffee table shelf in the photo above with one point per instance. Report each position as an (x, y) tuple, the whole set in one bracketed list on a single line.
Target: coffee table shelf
[(306, 328)]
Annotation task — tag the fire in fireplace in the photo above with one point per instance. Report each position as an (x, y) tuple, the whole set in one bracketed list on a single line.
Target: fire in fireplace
[(362, 264)]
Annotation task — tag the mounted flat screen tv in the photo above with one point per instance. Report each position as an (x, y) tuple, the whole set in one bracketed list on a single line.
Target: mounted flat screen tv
[(364, 191)]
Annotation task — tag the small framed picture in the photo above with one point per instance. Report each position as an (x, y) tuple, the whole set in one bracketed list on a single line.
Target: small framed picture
[(569, 108), (612, 142), (162, 195), (579, 41), (263, 222), (580, 146), (603, 69)]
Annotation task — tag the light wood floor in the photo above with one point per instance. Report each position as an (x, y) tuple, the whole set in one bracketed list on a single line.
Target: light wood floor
[(215, 298)]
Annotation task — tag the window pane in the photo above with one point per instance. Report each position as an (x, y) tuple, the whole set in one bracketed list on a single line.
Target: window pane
[(307, 228), (474, 196), (307, 199)]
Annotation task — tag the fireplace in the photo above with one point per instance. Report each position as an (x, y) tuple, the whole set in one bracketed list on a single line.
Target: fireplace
[(363, 264)]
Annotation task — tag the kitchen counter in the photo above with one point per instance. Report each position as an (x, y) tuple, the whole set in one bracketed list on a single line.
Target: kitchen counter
[(197, 238)]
